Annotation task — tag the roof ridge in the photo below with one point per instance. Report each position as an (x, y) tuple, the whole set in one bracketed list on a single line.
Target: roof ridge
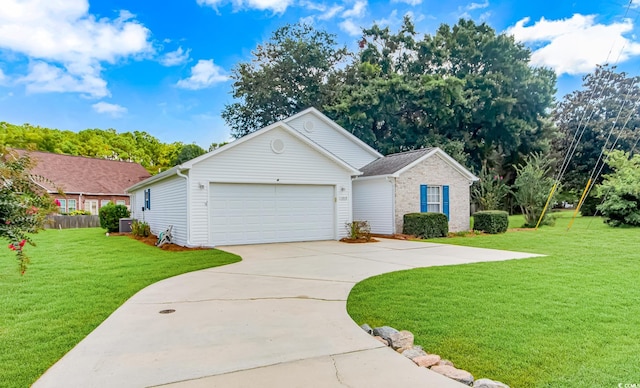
[(74, 156), (425, 149)]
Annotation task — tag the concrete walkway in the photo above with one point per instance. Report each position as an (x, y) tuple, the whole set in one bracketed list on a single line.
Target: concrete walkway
[(276, 319)]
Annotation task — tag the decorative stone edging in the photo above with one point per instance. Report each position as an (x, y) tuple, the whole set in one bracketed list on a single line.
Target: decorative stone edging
[(402, 342)]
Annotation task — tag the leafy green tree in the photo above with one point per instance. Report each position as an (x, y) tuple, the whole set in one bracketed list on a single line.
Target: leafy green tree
[(532, 187), (602, 115), (621, 190), (465, 85), (24, 205), (294, 70), (188, 152)]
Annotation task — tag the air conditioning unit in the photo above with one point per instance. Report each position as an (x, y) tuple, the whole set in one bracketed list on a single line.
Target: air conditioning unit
[(125, 225)]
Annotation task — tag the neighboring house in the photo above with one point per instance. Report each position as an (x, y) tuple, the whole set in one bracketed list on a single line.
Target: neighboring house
[(424, 180), (82, 183), (295, 180)]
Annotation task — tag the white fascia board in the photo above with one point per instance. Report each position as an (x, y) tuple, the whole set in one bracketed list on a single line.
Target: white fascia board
[(163, 175), (338, 128)]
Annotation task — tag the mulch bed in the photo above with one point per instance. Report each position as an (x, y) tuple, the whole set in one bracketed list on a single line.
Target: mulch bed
[(358, 240), (151, 240)]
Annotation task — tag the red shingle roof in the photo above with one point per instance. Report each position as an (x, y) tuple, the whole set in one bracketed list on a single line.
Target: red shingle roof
[(79, 174)]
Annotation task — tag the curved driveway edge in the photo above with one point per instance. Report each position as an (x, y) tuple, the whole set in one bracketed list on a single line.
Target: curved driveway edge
[(276, 319)]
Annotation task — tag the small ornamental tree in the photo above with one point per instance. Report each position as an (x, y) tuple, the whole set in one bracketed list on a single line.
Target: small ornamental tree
[(621, 190), (532, 187), (24, 204), (490, 191)]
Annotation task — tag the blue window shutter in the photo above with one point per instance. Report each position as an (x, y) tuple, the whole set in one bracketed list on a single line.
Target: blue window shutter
[(423, 198), (149, 207), (445, 201)]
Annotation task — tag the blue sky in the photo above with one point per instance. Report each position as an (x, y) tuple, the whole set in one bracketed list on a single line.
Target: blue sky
[(162, 67)]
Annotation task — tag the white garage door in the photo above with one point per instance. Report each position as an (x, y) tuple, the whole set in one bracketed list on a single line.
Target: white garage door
[(253, 213)]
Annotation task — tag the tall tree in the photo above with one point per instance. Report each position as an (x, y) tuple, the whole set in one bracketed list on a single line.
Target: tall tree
[(294, 70), (188, 152), (465, 88), (602, 115)]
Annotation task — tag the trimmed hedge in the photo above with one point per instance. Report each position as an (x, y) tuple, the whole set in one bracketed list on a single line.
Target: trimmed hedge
[(426, 225), (491, 221)]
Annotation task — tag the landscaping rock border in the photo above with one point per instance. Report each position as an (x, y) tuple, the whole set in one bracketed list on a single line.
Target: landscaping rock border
[(403, 342)]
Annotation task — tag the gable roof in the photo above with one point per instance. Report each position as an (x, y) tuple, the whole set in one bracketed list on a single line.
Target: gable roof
[(338, 128), (396, 164), (280, 124), (79, 174)]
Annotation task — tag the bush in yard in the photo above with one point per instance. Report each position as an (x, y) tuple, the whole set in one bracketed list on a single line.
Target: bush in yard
[(24, 204), (80, 213), (140, 228), (359, 230), (110, 216), (621, 190), (426, 225), (491, 221), (532, 187)]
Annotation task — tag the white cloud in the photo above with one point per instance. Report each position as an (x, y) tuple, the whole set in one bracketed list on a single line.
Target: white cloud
[(203, 75), (635, 3), (357, 11), (392, 20), (47, 78), (331, 12), (350, 27), (308, 20), (114, 110), (174, 58), (410, 2), (277, 6), (68, 42), (3, 77), (576, 45), (472, 6)]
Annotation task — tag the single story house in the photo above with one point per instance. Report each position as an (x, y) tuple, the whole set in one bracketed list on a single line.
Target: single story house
[(82, 183), (299, 179)]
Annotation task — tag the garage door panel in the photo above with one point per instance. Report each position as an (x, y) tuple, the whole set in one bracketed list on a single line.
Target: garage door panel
[(248, 213)]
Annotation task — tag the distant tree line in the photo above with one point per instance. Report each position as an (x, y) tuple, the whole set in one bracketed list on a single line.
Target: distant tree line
[(139, 147)]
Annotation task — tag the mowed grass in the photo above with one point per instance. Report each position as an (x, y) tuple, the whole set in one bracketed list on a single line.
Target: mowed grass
[(570, 319), (76, 279)]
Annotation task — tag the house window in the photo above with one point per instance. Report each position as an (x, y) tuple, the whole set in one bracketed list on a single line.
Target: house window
[(63, 206), (434, 199), (121, 202), (104, 202), (71, 205)]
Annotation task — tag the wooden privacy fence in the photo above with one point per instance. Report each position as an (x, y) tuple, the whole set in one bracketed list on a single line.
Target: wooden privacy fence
[(70, 222)]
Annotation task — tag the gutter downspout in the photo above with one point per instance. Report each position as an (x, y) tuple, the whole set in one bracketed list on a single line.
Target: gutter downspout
[(186, 177)]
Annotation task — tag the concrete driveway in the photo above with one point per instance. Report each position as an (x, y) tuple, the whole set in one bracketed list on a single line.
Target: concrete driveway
[(276, 319)]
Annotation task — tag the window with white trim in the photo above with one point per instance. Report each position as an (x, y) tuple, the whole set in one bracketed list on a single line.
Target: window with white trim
[(121, 202), (434, 199), (63, 206), (71, 205), (104, 202)]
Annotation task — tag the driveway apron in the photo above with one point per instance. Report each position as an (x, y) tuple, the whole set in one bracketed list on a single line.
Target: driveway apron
[(276, 319)]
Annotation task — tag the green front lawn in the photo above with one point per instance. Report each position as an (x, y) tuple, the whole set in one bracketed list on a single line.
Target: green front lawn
[(77, 277), (566, 320)]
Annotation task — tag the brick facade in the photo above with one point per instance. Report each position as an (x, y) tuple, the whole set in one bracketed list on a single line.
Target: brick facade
[(437, 173), (82, 204)]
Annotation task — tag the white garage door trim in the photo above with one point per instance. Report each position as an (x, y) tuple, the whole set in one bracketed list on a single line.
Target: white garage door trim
[(267, 213)]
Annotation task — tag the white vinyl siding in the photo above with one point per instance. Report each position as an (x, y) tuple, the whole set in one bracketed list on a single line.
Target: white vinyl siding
[(260, 213), (373, 202), (168, 207), (333, 141), (255, 162)]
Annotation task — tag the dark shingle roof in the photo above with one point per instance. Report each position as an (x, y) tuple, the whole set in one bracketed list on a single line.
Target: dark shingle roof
[(78, 174), (391, 164)]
